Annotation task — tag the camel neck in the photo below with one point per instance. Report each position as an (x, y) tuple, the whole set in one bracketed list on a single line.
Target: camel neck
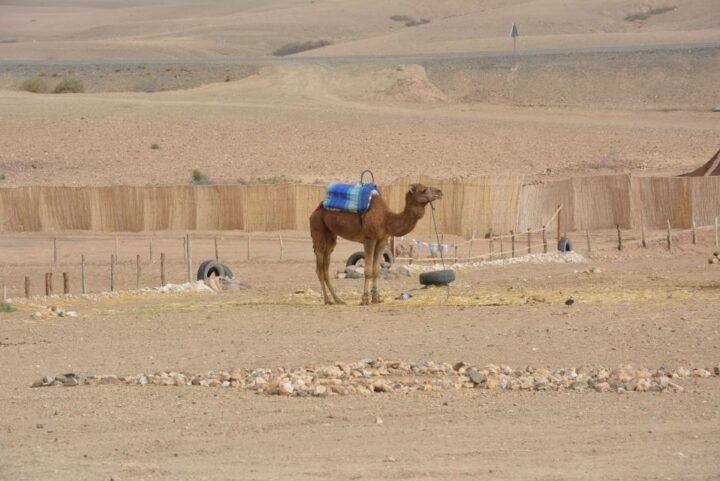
[(402, 223)]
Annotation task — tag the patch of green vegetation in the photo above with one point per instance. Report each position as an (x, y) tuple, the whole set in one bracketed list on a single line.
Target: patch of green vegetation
[(35, 85), (200, 178), (6, 307), (292, 48), (69, 86)]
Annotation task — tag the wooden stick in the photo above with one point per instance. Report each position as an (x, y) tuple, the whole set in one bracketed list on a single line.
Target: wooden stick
[(512, 243), (282, 247), (491, 241), (393, 246), (217, 253), (589, 245), (694, 232), (502, 250), (185, 248), (559, 211), (27, 286), (620, 245), (48, 284), (4, 292), (529, 239), (248, 246), (642, 234), (189, 259), (137, 273), (66, 283), (113, 260), (162, 269), (544, 238), (456, 256), (151, 249), (55, 251), (83, 284), (716, 231), (472, 238), (669, 236), (117, 248)]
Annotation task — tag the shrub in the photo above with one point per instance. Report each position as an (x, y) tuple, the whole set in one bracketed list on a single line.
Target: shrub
[(6, 307), (415, 23), (199, 178), (69, 86), (632, 17), (401, 18), (156, 147), (292, 48), (35, 85)]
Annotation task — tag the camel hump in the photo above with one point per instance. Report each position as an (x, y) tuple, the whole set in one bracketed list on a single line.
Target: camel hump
[(349, 197)]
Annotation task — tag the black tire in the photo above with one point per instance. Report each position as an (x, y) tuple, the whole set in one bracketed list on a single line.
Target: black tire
[(437, 278), (564, 244), (209, 268), (388, 258), (228, 272)]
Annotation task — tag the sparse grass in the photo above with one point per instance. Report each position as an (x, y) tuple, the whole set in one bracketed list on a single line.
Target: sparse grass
[(292, 48), (2, 177), (200, 178), (35, 85), (69, 86), (155, 146), (633, 17), (274, 179), (6, 307), (8, 40), (409, 21)]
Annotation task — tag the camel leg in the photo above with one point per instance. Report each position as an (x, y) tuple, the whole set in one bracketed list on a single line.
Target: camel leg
[(320, 258), (329, 248), (369, 269), (377, 260)]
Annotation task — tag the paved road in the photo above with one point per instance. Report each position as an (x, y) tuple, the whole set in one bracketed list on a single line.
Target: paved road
[(369, 58)]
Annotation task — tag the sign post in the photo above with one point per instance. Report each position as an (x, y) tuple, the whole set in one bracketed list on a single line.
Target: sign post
[(514, 34)]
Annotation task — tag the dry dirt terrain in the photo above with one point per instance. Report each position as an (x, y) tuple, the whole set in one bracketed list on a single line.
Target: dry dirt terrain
[(495, 379), (644, 308)]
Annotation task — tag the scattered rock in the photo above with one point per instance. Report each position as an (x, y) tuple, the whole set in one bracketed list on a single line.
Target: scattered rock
[(378, 420), (404, 296)]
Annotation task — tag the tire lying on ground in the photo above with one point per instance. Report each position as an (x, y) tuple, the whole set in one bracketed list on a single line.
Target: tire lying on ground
[(564, 245), (437, 278), (388, 257), (208, 269)]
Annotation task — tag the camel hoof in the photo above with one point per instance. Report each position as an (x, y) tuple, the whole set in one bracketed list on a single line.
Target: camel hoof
[(365, 300), (377, 300), (339, 302)]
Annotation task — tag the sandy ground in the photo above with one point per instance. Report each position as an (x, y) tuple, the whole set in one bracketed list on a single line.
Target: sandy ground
[(642, 307)]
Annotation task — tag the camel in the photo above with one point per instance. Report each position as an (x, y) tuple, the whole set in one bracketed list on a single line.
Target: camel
[(372, 229)]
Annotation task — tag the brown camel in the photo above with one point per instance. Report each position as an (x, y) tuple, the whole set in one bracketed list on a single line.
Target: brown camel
[(372, 229)]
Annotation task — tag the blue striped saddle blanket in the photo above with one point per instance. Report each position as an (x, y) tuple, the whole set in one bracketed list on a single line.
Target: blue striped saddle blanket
[(349, 197)]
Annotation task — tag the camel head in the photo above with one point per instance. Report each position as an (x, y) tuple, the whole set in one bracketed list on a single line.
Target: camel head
[(423, 194)]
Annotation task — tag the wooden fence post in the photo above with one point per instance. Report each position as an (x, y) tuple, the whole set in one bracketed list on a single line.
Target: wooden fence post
[(189, 258), (472, 238), (456, 256), (282, 247), (83, 284), (217, 252), (137, 273), (529, 239), (184, 248), (4, 292), (27, 286), (66, 283), (512, 243), (587, 236), (162, 269), (620, 245), (669, 236), (694, 232), (55, 251), (502, 249), (248, 246), (642, 234), (113, 259), (151, 250), (117, 248), (544, 239), (48, 284), (491, 246), (716, 231)]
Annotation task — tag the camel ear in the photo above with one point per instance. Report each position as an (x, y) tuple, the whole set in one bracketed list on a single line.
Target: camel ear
[(413, 188)]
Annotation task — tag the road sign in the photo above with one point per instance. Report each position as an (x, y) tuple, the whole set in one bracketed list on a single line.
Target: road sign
[(514, 32)]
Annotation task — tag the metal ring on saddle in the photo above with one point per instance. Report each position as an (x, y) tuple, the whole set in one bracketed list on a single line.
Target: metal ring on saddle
[(372, 177)]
